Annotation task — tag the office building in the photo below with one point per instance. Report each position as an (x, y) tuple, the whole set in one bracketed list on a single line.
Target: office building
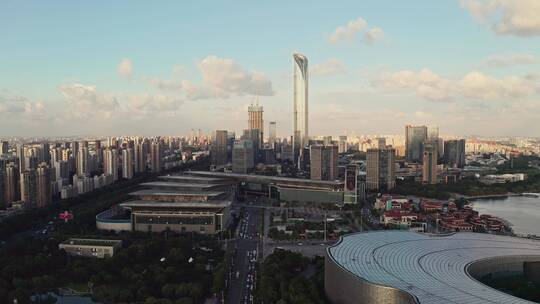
[(323, 162), (454, 153), (28, 187), (272, 134), (127, 163), (429, 169), (43, 185), (243, 160), (253, 135), (4, 147), (155, 156), (350, 191), (141, 152), (415, 136), (110, 165), (381, 142), (218, 150), (381, 168), (91, 248), (300, 105), (343, 146), (11, 183), (82, 161), (255, 122)]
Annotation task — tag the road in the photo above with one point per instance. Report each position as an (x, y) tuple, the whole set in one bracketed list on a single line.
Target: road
[(248, 251)]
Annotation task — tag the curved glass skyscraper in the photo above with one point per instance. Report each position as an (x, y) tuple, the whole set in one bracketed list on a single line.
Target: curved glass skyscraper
[(300, 107)]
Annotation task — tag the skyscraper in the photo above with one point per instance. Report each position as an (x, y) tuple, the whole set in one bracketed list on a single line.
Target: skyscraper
[(429, 170), (82, 161), (127, 163), (323, 162), (155, 156), (141, 152), (454, 153), (4, 146), (243, 156), (11, 183), (343, 145), (415, 136), (272, 134), (43, 185), (218, 150), (28, 187), (380, 168), (110, 166), (300, 105), (255, 121)]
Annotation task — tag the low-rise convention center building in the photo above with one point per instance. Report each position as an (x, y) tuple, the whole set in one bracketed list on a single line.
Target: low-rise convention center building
[(409, 267), (174, 203)]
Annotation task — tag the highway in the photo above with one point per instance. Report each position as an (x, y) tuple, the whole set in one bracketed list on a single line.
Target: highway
[(248, 251)]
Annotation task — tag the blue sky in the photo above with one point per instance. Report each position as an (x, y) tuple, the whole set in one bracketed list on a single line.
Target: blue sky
[(469, 66)]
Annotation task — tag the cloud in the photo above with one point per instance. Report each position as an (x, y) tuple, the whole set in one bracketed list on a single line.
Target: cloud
[(474, 85), (221, 78), (159, 102), (501, 61), (347, 32), (227, 75), (507, 17), (125, 68), (87, 98), (22, 107), (373, 35), (329, 68)]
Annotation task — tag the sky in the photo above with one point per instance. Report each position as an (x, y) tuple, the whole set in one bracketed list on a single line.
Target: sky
[(163, 68)]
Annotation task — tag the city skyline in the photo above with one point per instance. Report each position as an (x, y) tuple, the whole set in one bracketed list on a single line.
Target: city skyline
[(372, 70)]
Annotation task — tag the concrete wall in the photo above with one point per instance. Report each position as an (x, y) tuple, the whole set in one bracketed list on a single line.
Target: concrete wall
[(500, 266), (342, 287)]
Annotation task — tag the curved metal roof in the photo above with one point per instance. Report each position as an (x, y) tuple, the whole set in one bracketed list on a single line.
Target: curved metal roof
[(430, 267)]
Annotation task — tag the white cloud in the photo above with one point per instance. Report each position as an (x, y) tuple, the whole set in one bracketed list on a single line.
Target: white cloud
[(373, 35), (221, 77), (87, 98), (474, 85), (21, 107), (507, 17), (227, 75), (328, 68), (501, 61), (125, 68), (159, 102), (347, 32)]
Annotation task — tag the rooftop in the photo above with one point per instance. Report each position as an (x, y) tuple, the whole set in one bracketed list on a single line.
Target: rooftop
[(191, 178), (176, 193), (430, 267), (91, 242), (178, 185), (184, 204), (268, 179)]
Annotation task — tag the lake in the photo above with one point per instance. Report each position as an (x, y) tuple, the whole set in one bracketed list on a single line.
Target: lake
[(521, 211)]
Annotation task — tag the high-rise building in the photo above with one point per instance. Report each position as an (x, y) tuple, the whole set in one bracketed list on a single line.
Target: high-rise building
[(243, 156), (454, 153), (381, 168), (20, 156), (127, 163), (141, 153), (432, 132), (343, 146), (255, 121), (28, 187), (350, 193), (43, 185), (155, 156), (4, 147), (218, 150), (45, 153), (253, 135), (323, 162), (82, 161), (272, 134), (110, 165), (415, 136), (11, 183), (381, 142), (429, 169), (300, 105)]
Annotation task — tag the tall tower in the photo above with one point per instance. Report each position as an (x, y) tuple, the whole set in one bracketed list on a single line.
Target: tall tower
[(429, 173), (380, 168), (43, 185), (218, 150), (155, 156), (300, 105), (111, 163), (323, 162), (28, 187), (127, 163), (272, 134), (255, 121), (11, 183), (415, 136)]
